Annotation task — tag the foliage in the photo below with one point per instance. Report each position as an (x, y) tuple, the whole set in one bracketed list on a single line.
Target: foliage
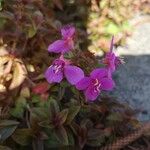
[(38, 115), (59, 123)]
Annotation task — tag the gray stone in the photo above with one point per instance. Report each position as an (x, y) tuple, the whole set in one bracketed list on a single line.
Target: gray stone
[(133, 77)]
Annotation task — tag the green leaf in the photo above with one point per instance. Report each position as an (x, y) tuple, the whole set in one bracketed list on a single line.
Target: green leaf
[(96, 137), (61, 135), (53, 107), (115, 117), (74, 90), (64, 84), (7, 15), (39, 114), (4, 148), (2, 22), (52, 142), (1, 5), (22, 136), (7, 127), (6, 132), (36, 98), (61, 93), (71, 140), (25, 92), (73, 111), (4, 123), (46, 124), (93, 134), (62, 116), (31, 31), (18, 110), (96, 142), (21, 102)]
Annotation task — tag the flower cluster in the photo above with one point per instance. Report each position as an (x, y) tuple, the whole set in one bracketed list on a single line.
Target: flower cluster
[(92, 85)]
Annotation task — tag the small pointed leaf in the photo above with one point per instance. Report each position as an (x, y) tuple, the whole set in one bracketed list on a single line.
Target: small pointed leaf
[(73, 111), (6, 132), (53, 107), (4, 123), (61, 135), (62, 116), (22, 136), (32, 32)]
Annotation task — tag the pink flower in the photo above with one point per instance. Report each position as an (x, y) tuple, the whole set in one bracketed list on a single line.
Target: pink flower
[(111, 60), (61, 68), (93, 85), (66, 43)]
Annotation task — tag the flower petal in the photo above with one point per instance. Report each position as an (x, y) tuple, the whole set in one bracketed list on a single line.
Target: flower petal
[(111, 59), (109, 73), (52, 77), (73, 74), (58, 46), (99, 73), (107, 84), (68, 45), (83, 83), (67, 31), (91, 94)]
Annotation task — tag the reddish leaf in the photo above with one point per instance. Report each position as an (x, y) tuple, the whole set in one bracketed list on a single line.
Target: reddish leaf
[(40, 88), (61, 117), (58, 4)]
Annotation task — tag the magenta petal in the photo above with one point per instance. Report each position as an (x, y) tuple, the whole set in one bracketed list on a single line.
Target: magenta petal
[(83, 83), (90, 94), (69, 45), (109, 72), (111, 57), (53, 77), (99, 73), (73, 74), (107, 84), (112, 67), (67, 31), (58, 46)]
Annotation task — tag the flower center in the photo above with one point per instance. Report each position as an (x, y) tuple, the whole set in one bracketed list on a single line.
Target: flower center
[(68, 40), (97, 85), (57, 68)]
